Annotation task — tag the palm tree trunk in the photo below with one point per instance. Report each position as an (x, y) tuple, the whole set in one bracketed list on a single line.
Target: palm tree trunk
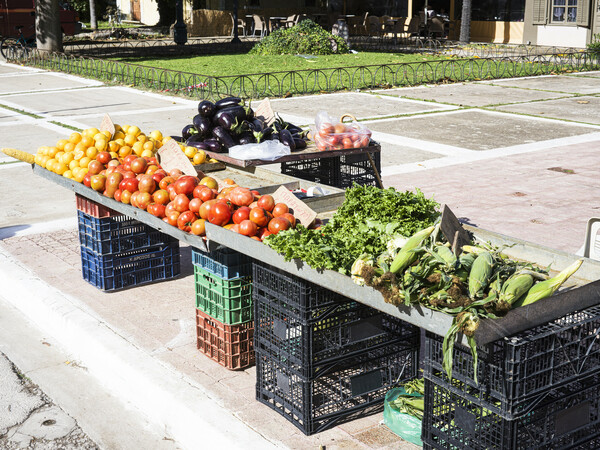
[(93, 21), (47, 26), (465, 22)]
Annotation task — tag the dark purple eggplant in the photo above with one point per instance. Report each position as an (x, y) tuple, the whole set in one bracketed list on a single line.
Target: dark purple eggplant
[(228, 102), (227, 117), (213, 145), (300, 143), (206, 108), (223, 137), (294, 129), (178, 138), (263, 135), (256, 125), (200, 145), (278, 126), (249, 113), (203, 125), (187, 131), (247, 138), (286, 138)]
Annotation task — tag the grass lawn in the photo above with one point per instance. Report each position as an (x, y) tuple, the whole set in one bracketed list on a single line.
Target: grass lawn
[(243, 64)]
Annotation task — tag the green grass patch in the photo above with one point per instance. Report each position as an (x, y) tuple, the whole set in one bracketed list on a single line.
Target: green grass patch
[(232, 65)]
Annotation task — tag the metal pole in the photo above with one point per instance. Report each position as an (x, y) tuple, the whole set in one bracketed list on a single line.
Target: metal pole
[(236, 39), (179, 30)]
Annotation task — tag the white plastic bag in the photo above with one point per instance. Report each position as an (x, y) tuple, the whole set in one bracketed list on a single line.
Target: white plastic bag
[(267, 151)]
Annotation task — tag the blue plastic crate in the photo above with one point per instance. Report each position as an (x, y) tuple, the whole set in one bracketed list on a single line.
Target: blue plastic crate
[(117, 234), (133, 268), (223, 262)]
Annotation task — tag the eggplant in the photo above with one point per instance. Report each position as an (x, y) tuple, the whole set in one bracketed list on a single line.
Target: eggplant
[(286, 138), (294, 129), (228, 102), (256, 125), (187, 131), (203, 125), (263, 135), (247, 138), (278, 126), (223, 137), (213, 145), (200, 145), (178, 138), (206, 108), (249, 113), (227, 117), (300, 143)]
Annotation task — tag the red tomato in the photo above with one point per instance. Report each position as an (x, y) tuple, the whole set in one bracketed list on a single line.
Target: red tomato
[(181, 203), (185, 220), (219, 214), (267, 202), (248, 228), (161, 196), (147, 184), (347, 143), (205, 208), (185, 184), (290, 217), (139, 165), (165, 182), (278, 224), (280, 209), (240, 214), (156, 209), (198, 227), (195, 205), (339, 128), (240, 196), (260, 216)]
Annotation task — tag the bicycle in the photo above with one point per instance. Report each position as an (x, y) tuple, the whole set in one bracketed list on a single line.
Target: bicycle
[(17, 46)]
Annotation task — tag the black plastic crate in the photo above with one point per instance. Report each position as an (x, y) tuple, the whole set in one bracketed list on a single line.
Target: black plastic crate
[(321, 403), (513, 370), (339, 171), (128, 269), (117, 234), (272, 283), (308, 345), (564, 417), (223, 262)]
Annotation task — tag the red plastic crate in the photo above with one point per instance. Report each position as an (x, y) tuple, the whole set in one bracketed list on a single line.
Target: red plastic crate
[(94, 209), (230, 345)]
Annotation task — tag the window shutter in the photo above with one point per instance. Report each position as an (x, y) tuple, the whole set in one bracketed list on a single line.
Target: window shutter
[(583, 13), (540, 7)]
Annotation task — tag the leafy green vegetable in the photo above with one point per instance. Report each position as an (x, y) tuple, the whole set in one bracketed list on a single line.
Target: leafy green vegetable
[(364, 223)]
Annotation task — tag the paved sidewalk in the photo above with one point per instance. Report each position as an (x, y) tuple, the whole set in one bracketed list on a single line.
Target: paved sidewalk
[(513, 156)]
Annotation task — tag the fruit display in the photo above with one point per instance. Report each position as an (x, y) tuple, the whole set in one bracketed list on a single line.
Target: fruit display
[(229, 122)]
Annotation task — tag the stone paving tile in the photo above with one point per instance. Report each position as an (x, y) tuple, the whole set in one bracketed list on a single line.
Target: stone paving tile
[(561, 83), (39, 81), (359, 104), (11, 68), (99, 101), (580, 109), (470, 94), (586, 75), (486, 196), (394, 154), (477, 130), (29, 136)]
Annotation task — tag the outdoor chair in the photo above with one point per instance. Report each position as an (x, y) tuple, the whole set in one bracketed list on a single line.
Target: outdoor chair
[(241, 24), (414, 26), (291, 21), (387, 25), (374, 26), (591, 246), (435, 27), (399, 28), (259, 25)]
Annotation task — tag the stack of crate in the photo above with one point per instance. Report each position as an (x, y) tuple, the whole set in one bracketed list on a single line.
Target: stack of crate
[(320, 357), (224, 314), (118, 252), (538, 389)]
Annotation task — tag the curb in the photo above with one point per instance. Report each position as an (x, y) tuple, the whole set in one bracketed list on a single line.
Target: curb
[(172, 401)]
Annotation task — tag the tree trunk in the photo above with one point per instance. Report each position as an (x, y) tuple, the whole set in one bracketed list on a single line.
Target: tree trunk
[(47, 26), (93, 21), (465, 22)]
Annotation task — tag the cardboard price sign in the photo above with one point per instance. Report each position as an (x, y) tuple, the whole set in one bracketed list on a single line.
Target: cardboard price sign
[(303, 213), (264, 111), (453, 230), (107, 125), (171, 157)]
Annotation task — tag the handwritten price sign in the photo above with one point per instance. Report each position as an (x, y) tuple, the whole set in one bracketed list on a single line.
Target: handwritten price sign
[(303, 213)]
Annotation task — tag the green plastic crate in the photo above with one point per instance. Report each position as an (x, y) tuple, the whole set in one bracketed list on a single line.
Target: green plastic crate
[(227, 300)]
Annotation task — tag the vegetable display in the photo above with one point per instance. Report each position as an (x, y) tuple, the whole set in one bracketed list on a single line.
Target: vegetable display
[(229, 122)]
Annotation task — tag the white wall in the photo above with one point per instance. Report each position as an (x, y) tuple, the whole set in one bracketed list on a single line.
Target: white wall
[(149, 12), (561, 36)]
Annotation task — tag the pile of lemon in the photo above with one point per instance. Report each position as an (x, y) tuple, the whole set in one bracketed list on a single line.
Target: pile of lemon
[(71, 157)]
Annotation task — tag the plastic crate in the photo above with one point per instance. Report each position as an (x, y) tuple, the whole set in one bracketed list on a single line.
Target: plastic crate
[(308, 345), (565, 417), (223, 262), (229, 345), (273, 283), (117, 234), (128, 269), (94, 209), (513, 370), (321, 403), (227, 300), (339, 171)]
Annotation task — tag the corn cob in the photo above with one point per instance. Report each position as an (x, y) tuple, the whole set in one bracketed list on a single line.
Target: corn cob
[(406, 256), (473, 249), (546, 288), (19, 154), (480, 274), (446, 254), (513, 289)]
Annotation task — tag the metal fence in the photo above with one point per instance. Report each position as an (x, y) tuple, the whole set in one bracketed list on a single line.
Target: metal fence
[(523, 61)]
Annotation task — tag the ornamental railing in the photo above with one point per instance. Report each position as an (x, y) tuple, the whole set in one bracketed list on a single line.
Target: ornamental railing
[(310, 81)]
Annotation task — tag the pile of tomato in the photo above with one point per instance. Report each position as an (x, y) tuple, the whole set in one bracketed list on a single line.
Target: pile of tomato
[(185, 201), (329, 136)]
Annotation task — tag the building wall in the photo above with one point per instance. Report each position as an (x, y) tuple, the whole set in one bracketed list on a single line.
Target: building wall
[(149, 12), (562, 36)]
